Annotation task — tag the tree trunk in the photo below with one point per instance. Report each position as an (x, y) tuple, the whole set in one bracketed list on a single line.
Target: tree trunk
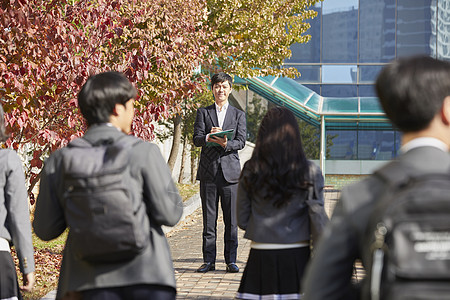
[(176, 142), (183, 160), (193, 168)]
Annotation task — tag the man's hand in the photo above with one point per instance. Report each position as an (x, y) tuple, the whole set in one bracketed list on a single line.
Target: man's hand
[(28, 282), (216, 129), (222, 141)]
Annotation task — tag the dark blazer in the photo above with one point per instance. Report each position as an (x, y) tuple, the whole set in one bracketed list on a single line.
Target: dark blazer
[(264, 223), (210, 157), (152, 182), (330, 273)]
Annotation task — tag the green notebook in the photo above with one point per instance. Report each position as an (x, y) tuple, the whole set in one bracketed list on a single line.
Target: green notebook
[(229, 133)]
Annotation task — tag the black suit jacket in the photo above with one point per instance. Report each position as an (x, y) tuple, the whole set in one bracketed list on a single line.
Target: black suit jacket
[(228, 157)]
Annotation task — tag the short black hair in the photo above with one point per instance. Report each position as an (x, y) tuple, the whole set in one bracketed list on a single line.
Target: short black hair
[(221, 77), (101, 93), (411, 91)]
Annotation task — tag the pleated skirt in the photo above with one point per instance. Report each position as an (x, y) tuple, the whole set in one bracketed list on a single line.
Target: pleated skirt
[(9, 288), (273, 274)]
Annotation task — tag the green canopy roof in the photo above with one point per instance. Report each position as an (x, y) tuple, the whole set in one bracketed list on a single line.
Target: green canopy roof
[(311, 107)]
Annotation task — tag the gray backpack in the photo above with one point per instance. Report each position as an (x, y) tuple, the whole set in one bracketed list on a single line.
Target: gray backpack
[(105, 224), (409, 237)]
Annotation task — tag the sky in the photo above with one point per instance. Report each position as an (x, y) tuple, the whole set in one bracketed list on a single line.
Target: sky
[(338, 5)]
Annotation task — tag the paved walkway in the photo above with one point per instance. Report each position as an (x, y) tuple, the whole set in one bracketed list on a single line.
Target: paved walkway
[(186, 245)]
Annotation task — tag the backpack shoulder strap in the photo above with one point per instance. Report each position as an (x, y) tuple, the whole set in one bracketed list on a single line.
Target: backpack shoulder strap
[(124, 140), (128, 140), (394, 173), (79, 143)]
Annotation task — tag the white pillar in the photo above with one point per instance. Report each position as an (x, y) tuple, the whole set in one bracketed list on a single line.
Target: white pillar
[(323, 145)]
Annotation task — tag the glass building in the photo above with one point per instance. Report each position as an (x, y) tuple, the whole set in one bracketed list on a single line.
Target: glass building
[(351, 41)]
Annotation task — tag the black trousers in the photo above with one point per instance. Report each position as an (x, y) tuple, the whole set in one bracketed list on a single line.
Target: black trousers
[(210, 193), (132, 292), (9, 286)]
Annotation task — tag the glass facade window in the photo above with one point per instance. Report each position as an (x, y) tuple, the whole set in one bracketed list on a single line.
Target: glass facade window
[(413, 35), (366, 91), (310, 52), (368, 34), (309, 74), (339, 90), (440, 28), (339, 74), (376, 42), (363, 144), (368, 74), (340, 31), (351, 42)]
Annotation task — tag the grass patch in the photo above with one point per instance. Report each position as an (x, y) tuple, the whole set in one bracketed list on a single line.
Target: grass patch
[(187, 190)]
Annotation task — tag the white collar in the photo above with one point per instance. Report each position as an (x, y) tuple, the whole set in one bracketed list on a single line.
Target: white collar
[(224, 107), (424, 141)]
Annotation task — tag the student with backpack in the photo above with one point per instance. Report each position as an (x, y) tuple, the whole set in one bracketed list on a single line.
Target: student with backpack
[(114, 192), (396, 220)]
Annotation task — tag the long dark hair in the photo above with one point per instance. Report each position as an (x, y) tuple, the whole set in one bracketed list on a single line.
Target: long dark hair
[(278, 167)]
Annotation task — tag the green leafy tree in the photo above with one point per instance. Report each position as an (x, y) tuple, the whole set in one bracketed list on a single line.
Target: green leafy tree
[(311, 140), (255, 113), (253, 37)]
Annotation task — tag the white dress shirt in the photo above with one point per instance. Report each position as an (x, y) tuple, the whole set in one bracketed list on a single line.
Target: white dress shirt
[(221, 113)]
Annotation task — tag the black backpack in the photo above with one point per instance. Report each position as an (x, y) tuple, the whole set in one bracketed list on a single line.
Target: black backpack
[(105, 224), (409, 237)]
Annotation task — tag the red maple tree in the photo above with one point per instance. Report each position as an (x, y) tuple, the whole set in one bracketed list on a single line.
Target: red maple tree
[(51, 48)]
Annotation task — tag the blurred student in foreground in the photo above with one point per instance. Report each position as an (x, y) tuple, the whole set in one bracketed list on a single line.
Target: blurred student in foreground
[(415, 95)]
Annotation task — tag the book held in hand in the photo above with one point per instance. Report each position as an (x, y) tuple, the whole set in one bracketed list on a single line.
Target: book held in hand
[(229, 133)]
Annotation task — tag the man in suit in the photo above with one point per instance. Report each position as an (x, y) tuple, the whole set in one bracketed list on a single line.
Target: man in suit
[(219, 170), (415, 95), (107, 103)]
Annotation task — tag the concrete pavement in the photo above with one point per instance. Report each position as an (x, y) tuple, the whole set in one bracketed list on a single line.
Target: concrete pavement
[(186, 245)]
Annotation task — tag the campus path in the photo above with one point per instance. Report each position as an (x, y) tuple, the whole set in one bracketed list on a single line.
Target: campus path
[(186, 245)]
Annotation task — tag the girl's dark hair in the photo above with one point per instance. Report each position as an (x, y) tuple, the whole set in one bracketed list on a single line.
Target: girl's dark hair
[(3, 135), (278, 167)]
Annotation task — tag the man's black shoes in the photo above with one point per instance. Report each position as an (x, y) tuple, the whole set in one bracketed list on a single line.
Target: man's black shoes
[(232, 268), (206, 267)]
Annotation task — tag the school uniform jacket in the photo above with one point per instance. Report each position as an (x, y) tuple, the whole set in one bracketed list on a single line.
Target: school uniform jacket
[(15, 224), (152, 182), (264, 223), (343, 241)]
